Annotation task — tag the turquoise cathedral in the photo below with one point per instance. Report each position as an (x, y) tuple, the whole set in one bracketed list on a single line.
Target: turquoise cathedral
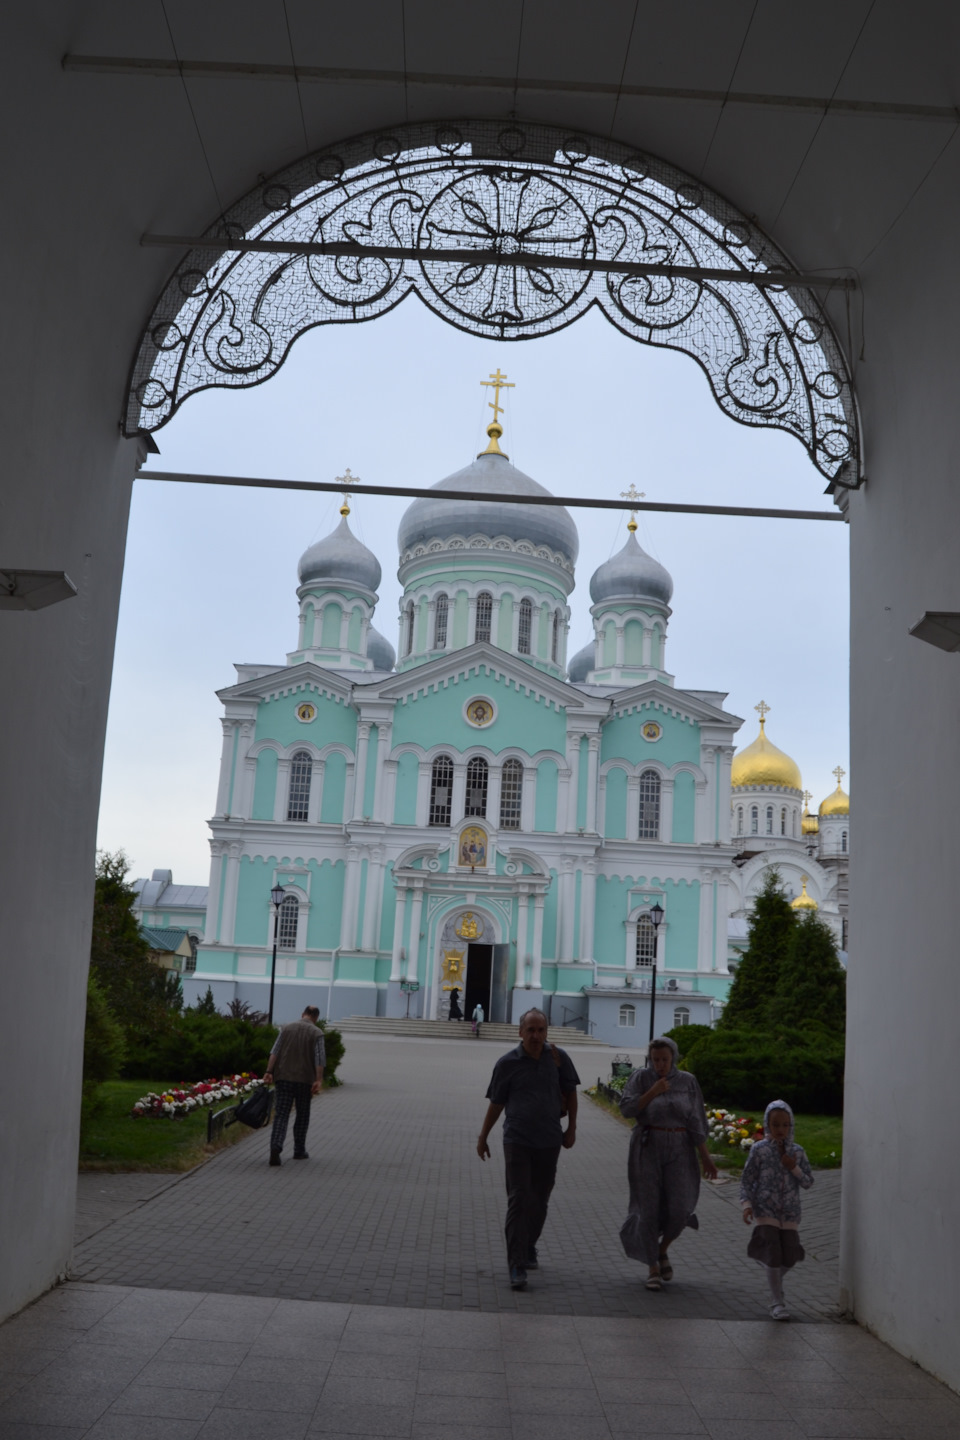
[(482, 812)]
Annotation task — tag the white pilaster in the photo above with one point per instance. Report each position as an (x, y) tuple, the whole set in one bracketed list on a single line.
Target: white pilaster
[(494, 776), (370, 920), (538, 904), (633, 807), (384, 740), (458, 798), (351, 888), (666, 809), (588, 903), (593, 762), (230, 890), (360, 783), (573, 792), (515, 629), (704, 826), (423, 792), (620, 647), (528, 800), (413, 950), (210, 929), (396, 963), (226, 765), (344, 627), (282, 790), (246, 775)]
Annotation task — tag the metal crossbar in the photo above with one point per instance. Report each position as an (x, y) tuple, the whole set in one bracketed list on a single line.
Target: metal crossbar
[(218, 1120)]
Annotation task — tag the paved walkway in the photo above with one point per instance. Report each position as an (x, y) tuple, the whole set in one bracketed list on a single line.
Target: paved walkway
[(395, 1209)]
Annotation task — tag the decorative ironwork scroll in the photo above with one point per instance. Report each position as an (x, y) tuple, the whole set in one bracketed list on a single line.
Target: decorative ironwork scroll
[(228, 319)]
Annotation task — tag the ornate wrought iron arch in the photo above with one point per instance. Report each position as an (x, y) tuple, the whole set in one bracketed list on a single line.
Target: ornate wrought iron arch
[(228, 318)]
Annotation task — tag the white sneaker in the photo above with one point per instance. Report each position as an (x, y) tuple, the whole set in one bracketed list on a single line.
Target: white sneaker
[(779, 1312)]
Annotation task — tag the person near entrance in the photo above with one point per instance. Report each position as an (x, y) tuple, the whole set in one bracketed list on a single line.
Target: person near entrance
[(478, 1018), (296, 1068), (455, 1012), (536, 1085)]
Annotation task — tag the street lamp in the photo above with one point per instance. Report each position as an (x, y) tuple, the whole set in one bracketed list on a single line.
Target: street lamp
[(656, 916), (276, 900)]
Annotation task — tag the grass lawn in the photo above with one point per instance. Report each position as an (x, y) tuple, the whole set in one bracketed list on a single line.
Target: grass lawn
[(820, 1135), (113, 1140)]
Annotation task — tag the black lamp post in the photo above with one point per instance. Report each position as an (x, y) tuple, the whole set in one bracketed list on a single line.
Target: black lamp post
[(276, 900), (656, 915)]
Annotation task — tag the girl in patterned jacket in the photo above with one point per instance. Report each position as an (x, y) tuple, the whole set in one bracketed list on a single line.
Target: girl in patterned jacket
[(775, 1173)]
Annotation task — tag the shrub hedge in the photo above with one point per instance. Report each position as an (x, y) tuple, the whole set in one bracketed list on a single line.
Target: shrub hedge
[(749, 1068)]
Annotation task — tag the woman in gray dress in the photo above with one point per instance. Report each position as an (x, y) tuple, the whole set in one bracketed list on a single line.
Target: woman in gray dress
[(662, 1167)]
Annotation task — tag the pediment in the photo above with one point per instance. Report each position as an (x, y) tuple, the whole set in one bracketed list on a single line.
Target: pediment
[(681, 703), (482, 659), (289, 680)]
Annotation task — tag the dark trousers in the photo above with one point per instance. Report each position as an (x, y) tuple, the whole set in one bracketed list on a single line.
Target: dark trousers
[(290, 1093), (531, 1173)]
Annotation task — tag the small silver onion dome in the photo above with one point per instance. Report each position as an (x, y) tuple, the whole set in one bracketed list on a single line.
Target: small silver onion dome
[(631, 574), (380, 651), (340, 558), (428, 519), (581, 664)]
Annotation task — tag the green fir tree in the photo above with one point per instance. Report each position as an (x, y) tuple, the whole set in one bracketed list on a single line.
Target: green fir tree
[(752, 998), (812, 987), (135, 989)]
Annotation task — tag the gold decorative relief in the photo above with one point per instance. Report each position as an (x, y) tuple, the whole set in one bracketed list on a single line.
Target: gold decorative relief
[(468, 927), (453, 967)]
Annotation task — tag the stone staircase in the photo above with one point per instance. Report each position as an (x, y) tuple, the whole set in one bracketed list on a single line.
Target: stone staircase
[(504, 1035)]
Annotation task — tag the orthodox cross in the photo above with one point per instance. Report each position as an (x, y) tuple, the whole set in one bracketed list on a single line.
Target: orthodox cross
[(839, 772), (634, 496), (498, 382), (763, 710), (346, 479), (807, 797)]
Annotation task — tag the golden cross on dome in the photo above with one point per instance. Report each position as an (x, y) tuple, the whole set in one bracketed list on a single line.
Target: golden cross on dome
[(346, 479), (839, 772), (634, 496), (498, 382), (807, 797), (763, 710)]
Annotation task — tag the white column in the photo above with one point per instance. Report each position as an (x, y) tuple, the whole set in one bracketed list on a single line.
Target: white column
[(528, 799), (705, 934), (226, 765), (423, 792), (515, 629), (211, 932), (459, 792), (360, 782), (471, 619), (703, 824), (524, 938), (230, 890), (538, 903), (351, 887), (495, 620), (666, 809), (593, 762), (413, 950), (620, 647), (432, 625), (282, 790), (647, 646), (313, 640), (573, 791), (344, 626), (302, 632), (396, 971), (588, 902), (364, 633), (565, 910), (389, 803), (494, 776), (246, 774), (633, 807), (384, 735), (370, 920)]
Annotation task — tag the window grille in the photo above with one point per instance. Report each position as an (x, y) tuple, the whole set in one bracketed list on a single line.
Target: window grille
[(628, 1015), (440, 623), (649, 805), (484, 616), (555, 642), (783, 820), (477, 775), (681, 1016), (511, 794), (287, 929), (754, 820), (739, 819), (441, 788), (769, 819), (525, 628), (409, 640), (298, 796), (190, 964), (843, 842), (646, 942)]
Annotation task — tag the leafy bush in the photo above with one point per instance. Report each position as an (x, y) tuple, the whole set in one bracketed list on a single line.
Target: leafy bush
[(686, 1036), (335, 1048), (749, 1068), (104, 1048), (198, 1044)]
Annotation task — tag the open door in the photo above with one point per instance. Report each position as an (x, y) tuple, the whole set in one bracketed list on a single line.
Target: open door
[(498, 989), (479, 978)]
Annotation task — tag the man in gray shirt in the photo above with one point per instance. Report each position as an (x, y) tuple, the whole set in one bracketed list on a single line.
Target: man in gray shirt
[(296, 1065), (536, 1084)]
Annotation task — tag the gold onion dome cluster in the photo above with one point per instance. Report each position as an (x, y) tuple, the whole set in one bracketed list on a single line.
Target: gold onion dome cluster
[(803, 901), (763, 764), (836, 804)]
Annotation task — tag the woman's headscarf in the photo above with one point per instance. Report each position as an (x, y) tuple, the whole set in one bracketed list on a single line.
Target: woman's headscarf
[(777, 1105), (663, 1042)]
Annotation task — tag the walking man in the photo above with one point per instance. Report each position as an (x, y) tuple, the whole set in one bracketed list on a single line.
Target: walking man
[(296, 1066), (536, 1084)]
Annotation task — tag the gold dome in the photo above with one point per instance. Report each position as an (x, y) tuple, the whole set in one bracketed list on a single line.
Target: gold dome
[(763, 764), (809, 824), (839, 802), (803, 900)]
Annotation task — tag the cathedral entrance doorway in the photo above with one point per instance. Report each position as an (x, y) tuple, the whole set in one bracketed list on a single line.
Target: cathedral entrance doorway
[(479, 980)]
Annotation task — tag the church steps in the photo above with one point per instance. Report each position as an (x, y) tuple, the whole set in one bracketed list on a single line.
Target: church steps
[(453, 1030)]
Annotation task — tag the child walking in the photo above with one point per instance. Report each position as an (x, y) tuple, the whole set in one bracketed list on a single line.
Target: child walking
[(775, 1173)]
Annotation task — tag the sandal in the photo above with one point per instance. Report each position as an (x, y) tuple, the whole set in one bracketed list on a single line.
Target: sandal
[(653, 1282), (666, 1269)]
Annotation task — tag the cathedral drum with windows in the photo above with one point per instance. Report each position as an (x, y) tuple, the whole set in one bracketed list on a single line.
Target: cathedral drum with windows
[(481, 812)]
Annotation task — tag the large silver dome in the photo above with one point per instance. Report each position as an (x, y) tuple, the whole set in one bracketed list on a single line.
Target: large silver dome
[(380, 651), (581, 664), (340, 558), (428, 519), (631, 574)]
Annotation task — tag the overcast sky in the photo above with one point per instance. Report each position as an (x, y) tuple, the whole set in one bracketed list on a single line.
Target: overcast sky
[(760, 607)]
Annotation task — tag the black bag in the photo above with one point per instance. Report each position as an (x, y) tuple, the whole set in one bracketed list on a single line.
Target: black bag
[(256, 1109)]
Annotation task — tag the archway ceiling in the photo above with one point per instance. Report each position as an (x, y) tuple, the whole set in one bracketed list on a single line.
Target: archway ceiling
[(535, 217)]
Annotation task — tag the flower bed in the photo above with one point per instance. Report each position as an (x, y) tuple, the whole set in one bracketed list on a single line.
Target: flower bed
[(727, 1128), (183, 1100)]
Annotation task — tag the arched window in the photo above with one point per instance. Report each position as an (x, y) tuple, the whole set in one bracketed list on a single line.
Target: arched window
[(298, 796), (646, 942), (287, 928), (511, 794), (555, 640), (441, 790), (525, 628), (649, 805), (440, 609), (739, 819), (477, 775), (843, 842), (484, 616), (628, 1016), (681, 1016), (408, 639), (754, 820), (783, 820), (769, 819)]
